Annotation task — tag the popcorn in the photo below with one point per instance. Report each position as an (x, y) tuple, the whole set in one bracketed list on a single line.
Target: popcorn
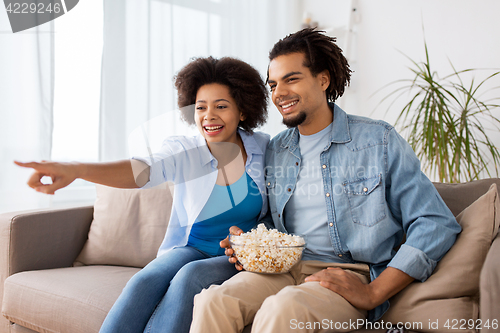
[(267, 251)]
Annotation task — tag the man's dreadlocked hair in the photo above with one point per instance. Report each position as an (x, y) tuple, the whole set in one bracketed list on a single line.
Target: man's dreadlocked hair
[(321, 53)]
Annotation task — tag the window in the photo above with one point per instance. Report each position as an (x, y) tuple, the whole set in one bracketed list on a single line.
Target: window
[(78, 52)]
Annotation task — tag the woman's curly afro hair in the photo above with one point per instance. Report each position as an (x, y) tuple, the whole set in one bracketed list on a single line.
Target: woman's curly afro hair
[(244, 82), (321, 53)]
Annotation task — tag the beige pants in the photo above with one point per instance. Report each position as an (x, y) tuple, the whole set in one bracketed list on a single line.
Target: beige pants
[(277, 303)]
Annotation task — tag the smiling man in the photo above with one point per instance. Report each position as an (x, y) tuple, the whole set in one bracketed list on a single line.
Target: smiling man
[(298, 94), (353, 187)]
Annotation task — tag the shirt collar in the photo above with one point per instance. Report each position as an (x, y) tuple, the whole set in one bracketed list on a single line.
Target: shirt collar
[(340, 129), (250, 144)]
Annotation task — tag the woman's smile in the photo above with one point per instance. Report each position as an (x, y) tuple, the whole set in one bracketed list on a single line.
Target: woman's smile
[(213, 130)]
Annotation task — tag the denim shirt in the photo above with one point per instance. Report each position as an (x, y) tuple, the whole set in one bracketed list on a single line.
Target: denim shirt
[(375, 193), (188, 163)]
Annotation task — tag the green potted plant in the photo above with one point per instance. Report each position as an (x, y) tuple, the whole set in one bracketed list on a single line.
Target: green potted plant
[(445, 122)]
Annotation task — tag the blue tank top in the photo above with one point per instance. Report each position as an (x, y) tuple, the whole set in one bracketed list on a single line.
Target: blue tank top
[(238, 204)]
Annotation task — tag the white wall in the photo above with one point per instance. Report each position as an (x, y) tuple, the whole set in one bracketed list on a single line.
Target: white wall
[(464, 32)]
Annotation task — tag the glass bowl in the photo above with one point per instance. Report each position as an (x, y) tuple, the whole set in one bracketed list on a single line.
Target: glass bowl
[(268, 255)]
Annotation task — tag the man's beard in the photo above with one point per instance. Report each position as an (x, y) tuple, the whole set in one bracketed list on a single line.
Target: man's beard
[(295, 121)]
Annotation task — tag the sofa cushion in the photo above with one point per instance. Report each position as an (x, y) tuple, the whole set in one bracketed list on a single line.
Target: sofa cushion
[(459, 196), (74, 299), (128, 226), (451, 294)]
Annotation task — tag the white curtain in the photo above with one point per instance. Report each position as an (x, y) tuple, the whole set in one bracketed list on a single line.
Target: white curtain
[(146, 42), (26, 104)]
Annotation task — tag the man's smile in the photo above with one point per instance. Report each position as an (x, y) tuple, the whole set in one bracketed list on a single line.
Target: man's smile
[(287, 106)]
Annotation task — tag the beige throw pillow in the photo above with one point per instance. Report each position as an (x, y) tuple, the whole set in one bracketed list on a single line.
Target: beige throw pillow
[(448, 300), (129, 226)]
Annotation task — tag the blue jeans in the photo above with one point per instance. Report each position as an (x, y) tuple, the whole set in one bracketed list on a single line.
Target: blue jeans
[(160, 297)]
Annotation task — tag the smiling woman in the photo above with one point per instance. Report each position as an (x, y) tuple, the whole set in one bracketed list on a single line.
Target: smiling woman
[(218, 117), (234, 77), (219, 182)]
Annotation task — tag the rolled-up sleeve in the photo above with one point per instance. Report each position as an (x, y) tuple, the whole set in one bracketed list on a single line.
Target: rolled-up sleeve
[(161, 165), (430, 227)]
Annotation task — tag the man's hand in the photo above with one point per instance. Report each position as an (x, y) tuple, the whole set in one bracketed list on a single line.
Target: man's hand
[(62, 174), (234, 230), (347, 285), (360, 295)]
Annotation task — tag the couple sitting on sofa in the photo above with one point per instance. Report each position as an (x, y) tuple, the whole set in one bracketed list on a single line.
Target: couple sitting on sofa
[(352, 185)]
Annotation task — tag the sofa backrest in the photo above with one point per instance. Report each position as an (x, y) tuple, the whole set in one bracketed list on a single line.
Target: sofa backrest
[(128, 227), (459, 196)]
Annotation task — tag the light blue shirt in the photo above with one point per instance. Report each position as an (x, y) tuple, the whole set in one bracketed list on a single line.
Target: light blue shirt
[(188, 163), (305, 212), (375, 193)]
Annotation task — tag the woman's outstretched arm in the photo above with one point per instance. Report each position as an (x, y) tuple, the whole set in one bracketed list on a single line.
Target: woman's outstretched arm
[(121, 174)]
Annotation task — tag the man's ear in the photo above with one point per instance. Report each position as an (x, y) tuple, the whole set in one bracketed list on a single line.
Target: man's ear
[(324, 77)]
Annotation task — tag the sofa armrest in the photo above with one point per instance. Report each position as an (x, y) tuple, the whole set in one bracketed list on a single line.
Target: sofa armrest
[(489, 288), (42, 239)]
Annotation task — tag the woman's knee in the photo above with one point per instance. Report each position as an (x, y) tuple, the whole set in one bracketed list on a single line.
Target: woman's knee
[(147, 277), (202, 274), (187, 277)]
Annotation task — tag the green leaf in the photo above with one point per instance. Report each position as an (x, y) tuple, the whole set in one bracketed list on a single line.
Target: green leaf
[(444, 120)]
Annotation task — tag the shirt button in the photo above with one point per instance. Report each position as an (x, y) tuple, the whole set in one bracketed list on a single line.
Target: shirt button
[(249, 170), (324, 166), (328, 194), (331, 224), (289, 190), (269, 184), (340, 255), (365, 189), (279, 215), (296, 163)]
